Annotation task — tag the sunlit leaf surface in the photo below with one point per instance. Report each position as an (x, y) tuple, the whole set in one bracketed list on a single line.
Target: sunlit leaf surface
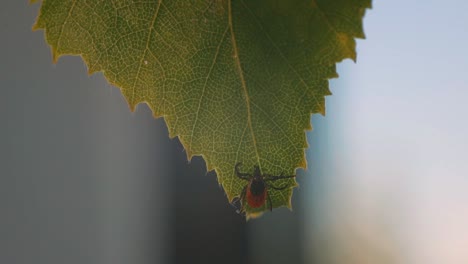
[(235, 80)]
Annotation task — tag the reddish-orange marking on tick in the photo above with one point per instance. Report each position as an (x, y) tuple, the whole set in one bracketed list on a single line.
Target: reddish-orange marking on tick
[(256, 200)]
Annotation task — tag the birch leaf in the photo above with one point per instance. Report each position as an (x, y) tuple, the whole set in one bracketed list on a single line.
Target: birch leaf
[(235, 80)]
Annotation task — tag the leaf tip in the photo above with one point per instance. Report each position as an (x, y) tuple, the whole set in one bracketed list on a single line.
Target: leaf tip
[(289, 204), (91, 71), (302, 165), (132, 105), (55, 56), (35, 27)]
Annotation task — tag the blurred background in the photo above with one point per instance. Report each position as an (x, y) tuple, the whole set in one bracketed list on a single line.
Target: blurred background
[(84, 180)]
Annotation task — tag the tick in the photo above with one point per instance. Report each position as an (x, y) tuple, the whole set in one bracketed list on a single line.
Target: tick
[(256, 191)]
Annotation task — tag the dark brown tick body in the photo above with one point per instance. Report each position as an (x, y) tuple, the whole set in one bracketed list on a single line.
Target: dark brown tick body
[(256, 191)]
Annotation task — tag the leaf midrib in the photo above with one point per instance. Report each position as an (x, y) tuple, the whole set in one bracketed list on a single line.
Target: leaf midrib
[(242, 79)]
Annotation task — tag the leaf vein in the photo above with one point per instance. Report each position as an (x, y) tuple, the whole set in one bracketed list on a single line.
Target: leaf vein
[(274, 123), (243, 83), (63, 26), (151, 28), (205, 84), (282, 55), (237, 154)]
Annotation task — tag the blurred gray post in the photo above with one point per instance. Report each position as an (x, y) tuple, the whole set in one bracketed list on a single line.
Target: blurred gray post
[(82, 179)]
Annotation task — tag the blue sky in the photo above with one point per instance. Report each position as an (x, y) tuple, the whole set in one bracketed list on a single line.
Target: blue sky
[(394, 160)]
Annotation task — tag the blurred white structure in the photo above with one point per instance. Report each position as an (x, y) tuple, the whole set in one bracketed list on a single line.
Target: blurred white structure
[(393, 170)]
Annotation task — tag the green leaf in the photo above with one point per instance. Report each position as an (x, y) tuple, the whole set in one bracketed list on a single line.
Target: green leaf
[(235, 80)]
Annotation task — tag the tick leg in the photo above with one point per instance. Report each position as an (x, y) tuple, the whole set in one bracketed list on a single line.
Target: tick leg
[(243, 176), (242, 198), (278, 188), (275, 178)]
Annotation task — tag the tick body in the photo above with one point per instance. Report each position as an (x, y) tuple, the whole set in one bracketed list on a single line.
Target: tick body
[(256, 191)]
